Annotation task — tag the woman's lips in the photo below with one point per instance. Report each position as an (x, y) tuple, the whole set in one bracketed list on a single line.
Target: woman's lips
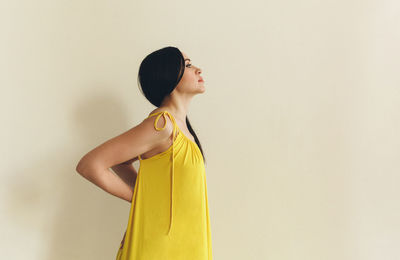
[(201, 80)]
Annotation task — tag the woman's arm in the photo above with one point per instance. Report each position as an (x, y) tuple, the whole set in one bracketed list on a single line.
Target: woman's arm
[(108, 181), (126, 172), (121, 185), (95, 165)]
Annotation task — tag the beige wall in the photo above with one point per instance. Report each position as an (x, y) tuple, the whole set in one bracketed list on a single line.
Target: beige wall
[(302, 147)]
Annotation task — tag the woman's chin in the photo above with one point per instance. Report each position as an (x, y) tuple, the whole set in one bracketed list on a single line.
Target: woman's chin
[(202, 89)]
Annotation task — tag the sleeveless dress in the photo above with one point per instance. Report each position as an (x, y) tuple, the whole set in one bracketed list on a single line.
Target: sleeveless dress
[(169, 217)]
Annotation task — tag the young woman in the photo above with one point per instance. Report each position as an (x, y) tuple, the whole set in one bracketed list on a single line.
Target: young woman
[(169, 217)]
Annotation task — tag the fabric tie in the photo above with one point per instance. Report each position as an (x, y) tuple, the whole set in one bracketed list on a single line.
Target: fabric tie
[(163, 113)]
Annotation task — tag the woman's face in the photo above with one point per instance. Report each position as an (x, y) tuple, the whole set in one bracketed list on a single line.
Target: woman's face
[(189, 82)]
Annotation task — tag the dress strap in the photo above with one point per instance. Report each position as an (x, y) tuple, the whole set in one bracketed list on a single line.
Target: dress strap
[(159, 114), (163, 113)]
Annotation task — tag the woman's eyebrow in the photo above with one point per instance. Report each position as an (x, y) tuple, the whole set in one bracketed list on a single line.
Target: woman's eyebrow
[(187, 59)]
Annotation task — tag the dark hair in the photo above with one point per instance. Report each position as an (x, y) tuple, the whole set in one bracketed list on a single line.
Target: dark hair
[(159, 74)]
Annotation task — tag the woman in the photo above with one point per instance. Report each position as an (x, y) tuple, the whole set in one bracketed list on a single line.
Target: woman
[(169, 217)]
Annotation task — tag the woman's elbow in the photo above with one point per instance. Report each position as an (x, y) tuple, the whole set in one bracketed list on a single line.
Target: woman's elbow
[(85, 166)]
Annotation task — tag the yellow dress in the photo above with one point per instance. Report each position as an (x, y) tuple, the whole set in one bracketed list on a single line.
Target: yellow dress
[(169, 217)]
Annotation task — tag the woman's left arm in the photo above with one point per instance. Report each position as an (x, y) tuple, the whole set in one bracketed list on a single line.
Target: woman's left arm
[(126, 172)]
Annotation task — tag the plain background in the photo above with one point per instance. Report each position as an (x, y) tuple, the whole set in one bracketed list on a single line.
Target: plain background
[(299, 122)]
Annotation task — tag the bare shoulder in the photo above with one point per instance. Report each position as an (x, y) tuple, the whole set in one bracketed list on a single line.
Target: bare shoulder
[(161, 122), (158, 123)]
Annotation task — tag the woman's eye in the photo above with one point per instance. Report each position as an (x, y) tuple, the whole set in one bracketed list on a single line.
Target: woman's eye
[(188, 65)]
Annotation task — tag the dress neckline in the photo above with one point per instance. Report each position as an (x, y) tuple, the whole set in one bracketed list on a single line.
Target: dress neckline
[(180, 135)]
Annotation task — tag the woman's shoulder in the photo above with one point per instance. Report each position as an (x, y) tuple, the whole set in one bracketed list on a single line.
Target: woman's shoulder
[(159, 123)]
